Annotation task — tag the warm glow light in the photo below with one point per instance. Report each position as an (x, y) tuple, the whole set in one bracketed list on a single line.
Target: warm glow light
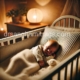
[(2, 29), (42, 2), (34, 15)]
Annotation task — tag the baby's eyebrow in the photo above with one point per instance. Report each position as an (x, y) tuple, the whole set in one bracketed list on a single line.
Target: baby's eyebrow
[(47, 47)]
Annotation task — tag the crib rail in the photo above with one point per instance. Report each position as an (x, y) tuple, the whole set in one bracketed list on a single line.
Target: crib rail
[(64, 64), (67, 19), (28, 34)]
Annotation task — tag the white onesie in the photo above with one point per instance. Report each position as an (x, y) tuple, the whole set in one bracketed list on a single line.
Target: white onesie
[(38, 53)]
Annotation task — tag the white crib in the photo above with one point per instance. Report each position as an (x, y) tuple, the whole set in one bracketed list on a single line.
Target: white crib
[(10, 46)]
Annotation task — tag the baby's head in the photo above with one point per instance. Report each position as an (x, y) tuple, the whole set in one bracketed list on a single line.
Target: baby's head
[(50, 47)]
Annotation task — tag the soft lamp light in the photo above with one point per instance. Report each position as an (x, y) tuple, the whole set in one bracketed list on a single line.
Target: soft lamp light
[(2, 29), (42, 2), (34, 15)]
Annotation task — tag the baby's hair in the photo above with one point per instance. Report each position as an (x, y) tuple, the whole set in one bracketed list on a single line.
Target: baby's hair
[(53, 43)]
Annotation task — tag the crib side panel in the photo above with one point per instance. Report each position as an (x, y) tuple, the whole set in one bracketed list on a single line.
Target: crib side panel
[(25, 43)]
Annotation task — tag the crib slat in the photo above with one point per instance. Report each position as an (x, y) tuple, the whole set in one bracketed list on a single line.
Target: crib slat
[(65, 77), (22, 37), (74, 23), (69, 23), (77, 67), (59, 75), (13, 40), (28, 35), (59, 23), (8, 42), (2, 43), (71, 70), (64, 22)]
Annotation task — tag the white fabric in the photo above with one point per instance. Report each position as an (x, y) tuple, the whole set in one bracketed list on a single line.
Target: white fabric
[(37, 51)]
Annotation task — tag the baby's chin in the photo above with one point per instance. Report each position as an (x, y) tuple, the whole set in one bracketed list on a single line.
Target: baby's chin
[(48, 54)]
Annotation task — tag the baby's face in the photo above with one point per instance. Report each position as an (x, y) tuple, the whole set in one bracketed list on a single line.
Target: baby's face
[(49, 50)]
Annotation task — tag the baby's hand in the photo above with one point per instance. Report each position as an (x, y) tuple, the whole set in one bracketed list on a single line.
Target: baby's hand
[(52, 62), (41, 63)]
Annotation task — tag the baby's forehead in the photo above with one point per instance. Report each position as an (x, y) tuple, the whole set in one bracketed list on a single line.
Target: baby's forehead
[(48, 44)]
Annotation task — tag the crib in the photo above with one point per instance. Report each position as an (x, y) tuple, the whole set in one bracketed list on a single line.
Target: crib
[(68, 67)]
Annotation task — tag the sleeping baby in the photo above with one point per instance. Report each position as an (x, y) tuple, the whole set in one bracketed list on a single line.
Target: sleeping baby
[(46, 54), (31, 60)]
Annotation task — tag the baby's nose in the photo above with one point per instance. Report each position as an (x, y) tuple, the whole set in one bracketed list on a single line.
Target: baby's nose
[(49, 51)]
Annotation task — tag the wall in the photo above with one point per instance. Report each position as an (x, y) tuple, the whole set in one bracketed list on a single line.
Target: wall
[(50, 11), (12, 4)]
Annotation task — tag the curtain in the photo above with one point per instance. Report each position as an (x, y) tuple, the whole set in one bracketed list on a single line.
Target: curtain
[(2, 15), (72, 7)]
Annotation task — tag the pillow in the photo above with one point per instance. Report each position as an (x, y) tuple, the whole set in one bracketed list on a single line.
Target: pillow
[(68, 42), (65, 38), (49, 33)]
